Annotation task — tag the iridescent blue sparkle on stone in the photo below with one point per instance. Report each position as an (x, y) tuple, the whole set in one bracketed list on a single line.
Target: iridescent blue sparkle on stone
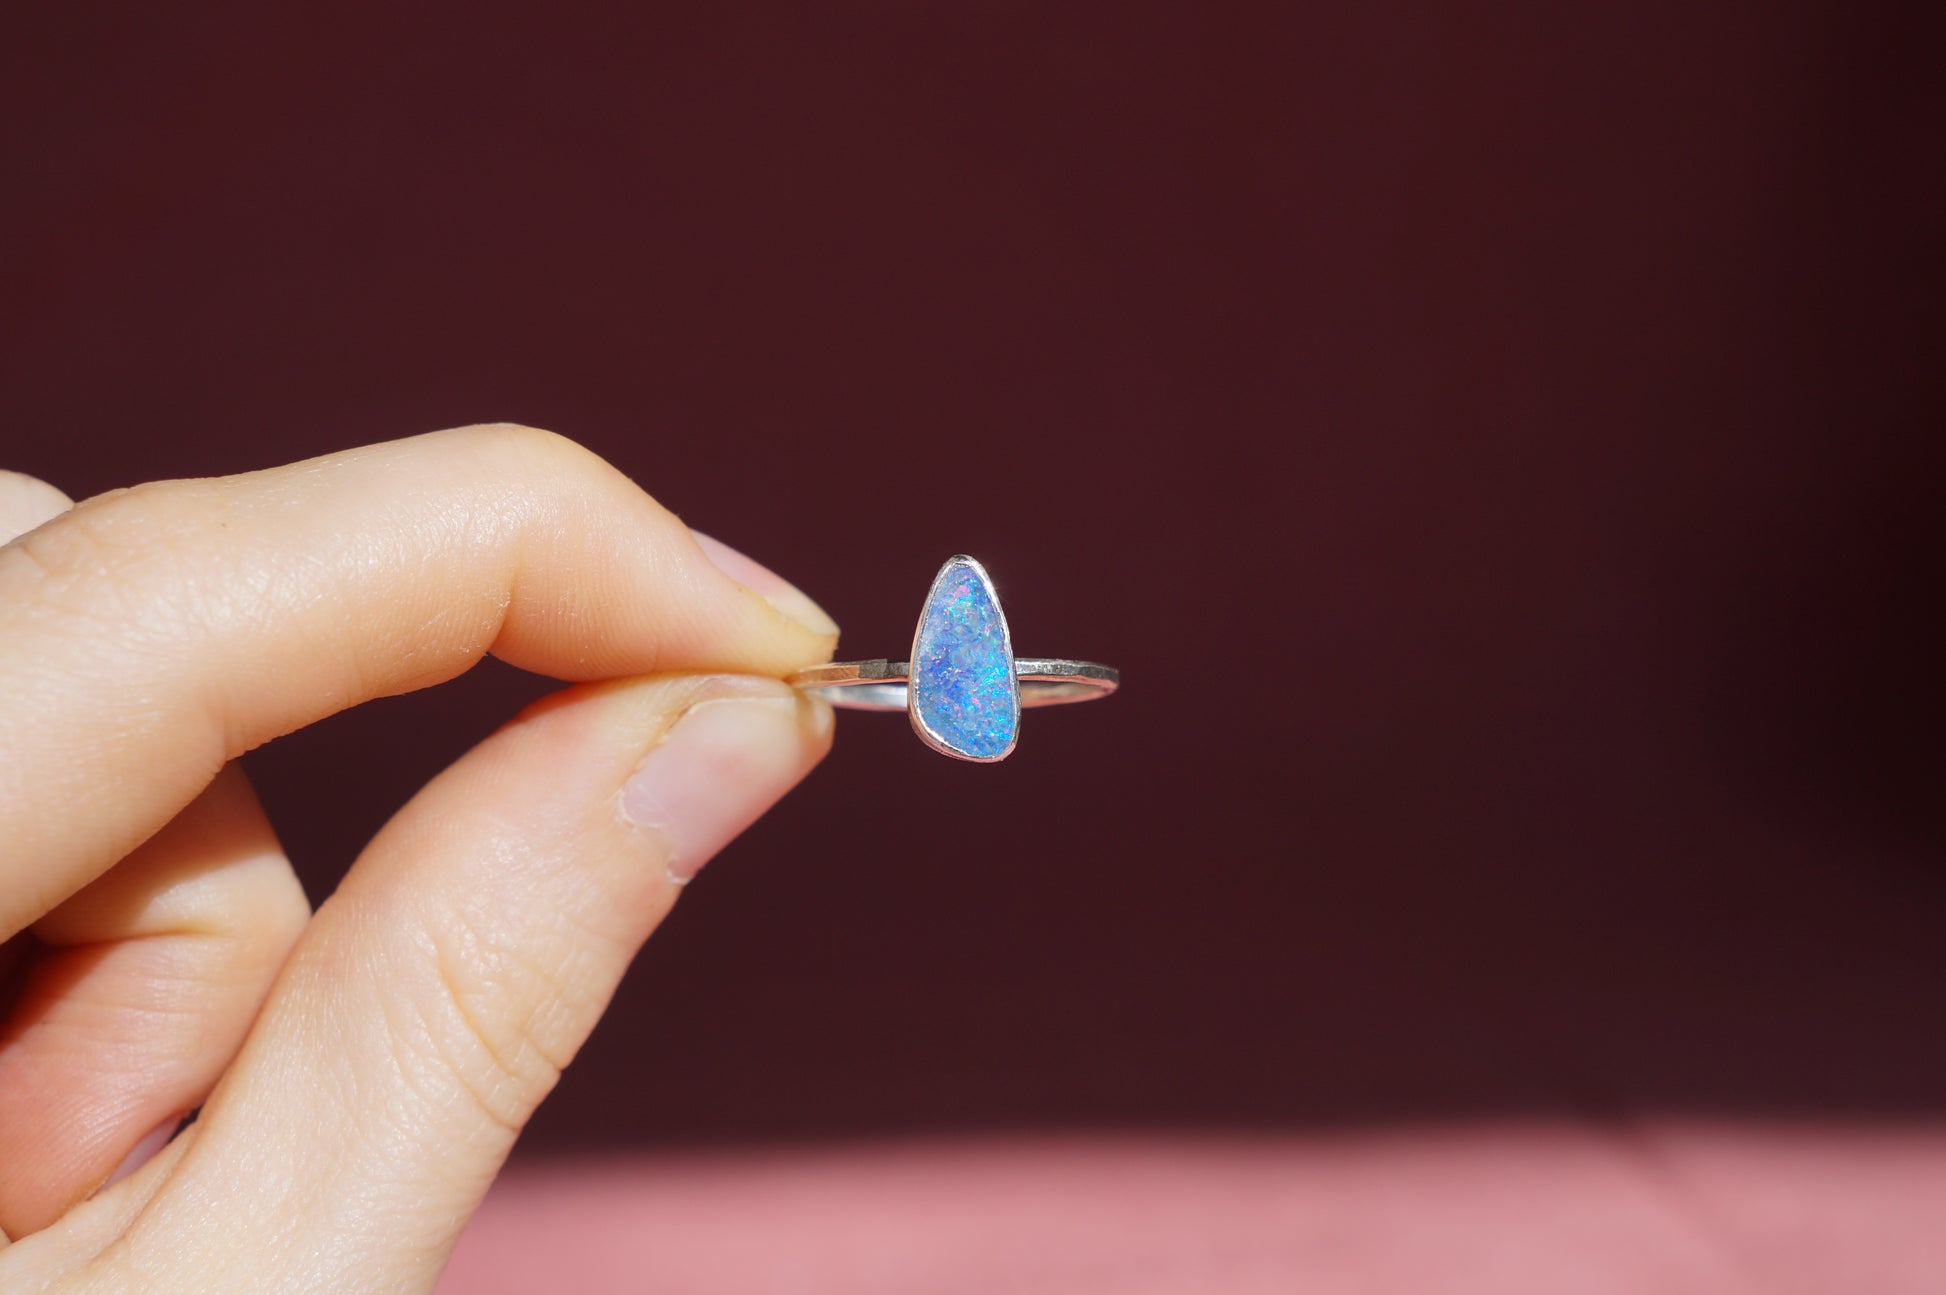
[(964, 694)]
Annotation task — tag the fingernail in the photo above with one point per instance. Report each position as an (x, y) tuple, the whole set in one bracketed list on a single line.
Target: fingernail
[(143, 1151), (767, 585), (719, 768)]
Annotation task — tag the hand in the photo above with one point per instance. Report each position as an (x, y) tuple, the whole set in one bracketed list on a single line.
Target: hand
[(362, 1072)]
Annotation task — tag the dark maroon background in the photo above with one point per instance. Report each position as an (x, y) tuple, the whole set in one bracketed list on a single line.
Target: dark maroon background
[(1500, 443)]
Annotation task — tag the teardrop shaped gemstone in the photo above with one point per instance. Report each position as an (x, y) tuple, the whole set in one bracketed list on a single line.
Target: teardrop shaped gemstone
[(965, 699)]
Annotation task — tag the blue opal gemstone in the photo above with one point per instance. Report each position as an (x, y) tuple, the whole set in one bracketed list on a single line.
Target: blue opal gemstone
[(965, 698)]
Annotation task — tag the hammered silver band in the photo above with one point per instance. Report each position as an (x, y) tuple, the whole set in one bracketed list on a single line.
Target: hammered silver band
[(881, 685)]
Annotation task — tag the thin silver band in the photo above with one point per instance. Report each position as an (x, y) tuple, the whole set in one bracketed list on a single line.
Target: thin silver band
[(881, 685)]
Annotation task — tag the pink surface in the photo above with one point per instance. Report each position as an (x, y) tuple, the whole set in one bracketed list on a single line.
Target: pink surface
[(1663, 1207)]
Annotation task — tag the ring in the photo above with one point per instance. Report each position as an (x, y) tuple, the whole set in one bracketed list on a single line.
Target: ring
[(963, 686)]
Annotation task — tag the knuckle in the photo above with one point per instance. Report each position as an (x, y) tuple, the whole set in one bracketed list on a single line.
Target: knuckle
[(95, 556), (520, 442), (526, 455), (70, 566)]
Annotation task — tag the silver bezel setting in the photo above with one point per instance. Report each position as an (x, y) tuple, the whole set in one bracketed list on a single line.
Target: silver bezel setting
[(885, 685), (919, 725)]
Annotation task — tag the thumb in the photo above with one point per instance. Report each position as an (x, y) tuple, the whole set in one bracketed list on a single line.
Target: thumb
[(435, 998)]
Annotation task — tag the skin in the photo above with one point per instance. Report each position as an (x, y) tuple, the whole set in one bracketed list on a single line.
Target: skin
[(364, 1070)]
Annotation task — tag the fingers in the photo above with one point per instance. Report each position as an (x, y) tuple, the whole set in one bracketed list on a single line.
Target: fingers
[(141, 987), (148, 983), (435, 998), (150, 635), (25, 502)]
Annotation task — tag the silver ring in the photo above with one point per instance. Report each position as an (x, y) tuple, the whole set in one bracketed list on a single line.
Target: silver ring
[(962, 685)]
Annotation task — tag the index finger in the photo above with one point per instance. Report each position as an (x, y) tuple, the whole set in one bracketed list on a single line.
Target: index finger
[(149, 635)]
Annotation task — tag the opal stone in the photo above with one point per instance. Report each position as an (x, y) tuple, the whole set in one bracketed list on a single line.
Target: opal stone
[(965, 698)]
